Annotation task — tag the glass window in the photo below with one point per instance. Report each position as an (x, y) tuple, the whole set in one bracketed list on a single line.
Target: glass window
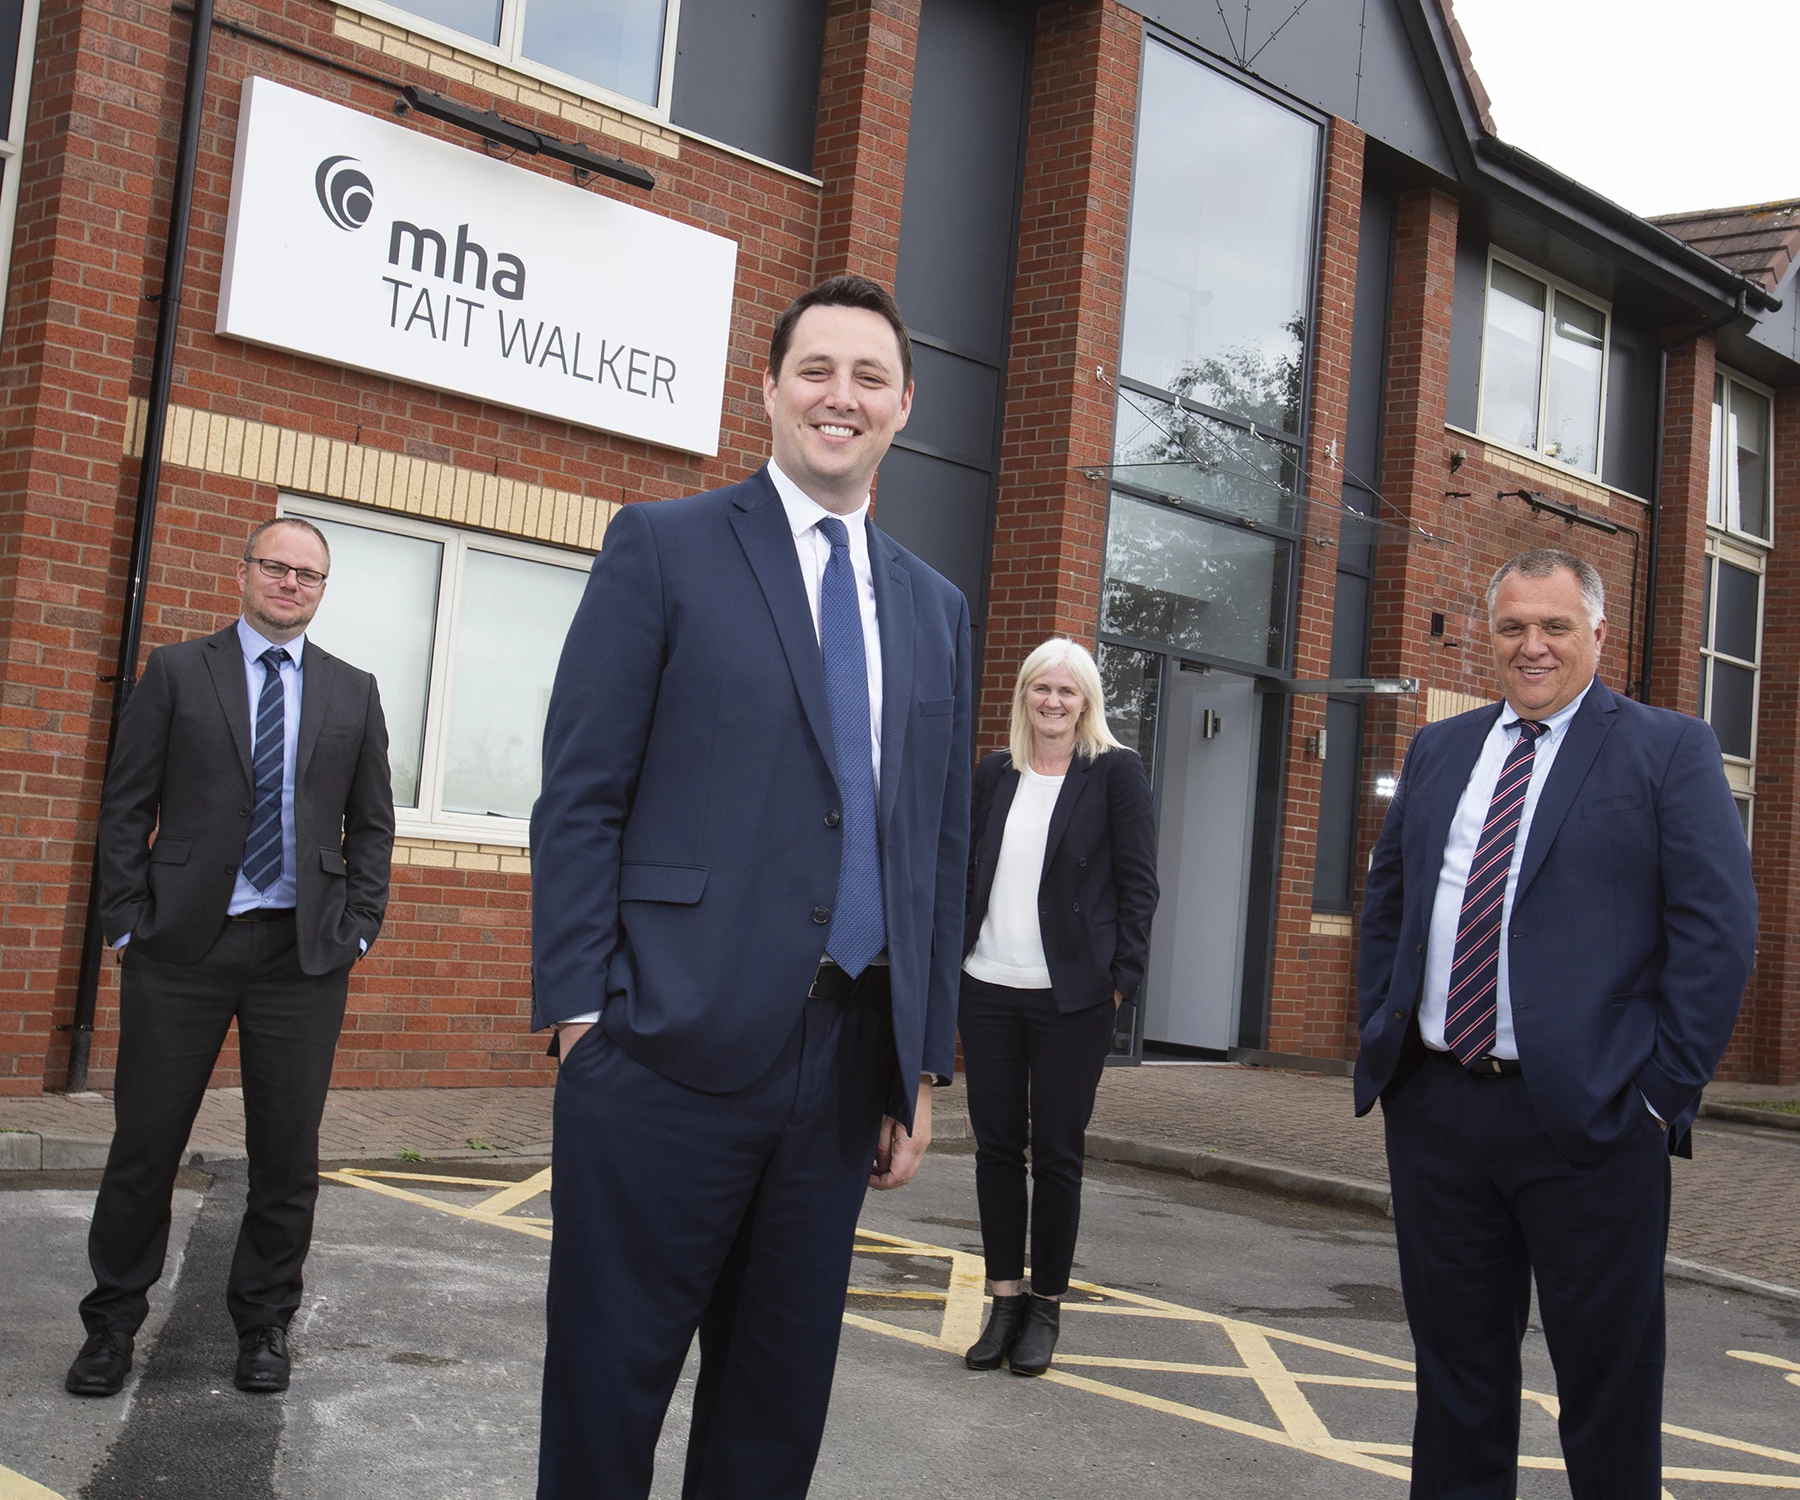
[(1160, 446), (1543, 368), (1738, 467), (509, 635), (615, 46), (1715, 464), (1179, 580), (1221, 242), (1132, 680), (463, 633), (18, 47), (1730, 651)]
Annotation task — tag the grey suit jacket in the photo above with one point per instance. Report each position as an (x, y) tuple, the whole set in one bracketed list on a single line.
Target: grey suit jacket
[(181, 769)]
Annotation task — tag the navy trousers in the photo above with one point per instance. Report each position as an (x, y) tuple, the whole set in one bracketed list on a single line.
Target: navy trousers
[(1484, 1202), (730, 1214)]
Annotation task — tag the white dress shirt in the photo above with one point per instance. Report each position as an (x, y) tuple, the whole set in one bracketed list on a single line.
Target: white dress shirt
[(244, 896), (1459, 853), (1010, 948), (804, 514)]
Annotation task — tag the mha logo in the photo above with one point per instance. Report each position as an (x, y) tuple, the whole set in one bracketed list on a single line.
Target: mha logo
[(345, 192)]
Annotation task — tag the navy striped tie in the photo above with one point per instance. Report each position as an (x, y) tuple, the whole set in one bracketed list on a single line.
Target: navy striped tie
[(262, 849), (1472, 1005), (858, 926)]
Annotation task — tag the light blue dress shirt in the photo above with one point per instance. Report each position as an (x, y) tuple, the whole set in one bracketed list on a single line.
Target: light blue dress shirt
[(1459, 853), (244, 896)]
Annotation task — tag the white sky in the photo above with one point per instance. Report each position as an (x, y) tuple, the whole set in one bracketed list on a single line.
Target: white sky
[(1661, 106)]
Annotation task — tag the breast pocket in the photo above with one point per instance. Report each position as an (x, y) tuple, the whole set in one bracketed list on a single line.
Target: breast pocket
[(1625, 802)]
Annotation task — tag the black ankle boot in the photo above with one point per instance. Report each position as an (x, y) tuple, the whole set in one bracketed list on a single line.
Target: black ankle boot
[(1036, 1342), (996, 1339)]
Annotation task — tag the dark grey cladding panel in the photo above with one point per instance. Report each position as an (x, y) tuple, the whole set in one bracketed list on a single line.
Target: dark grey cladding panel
[(1773, 342), (956, 227), (1467, 314), (956, 405), (1350, 58), (747, 74), (939, 511), (1633, 368)]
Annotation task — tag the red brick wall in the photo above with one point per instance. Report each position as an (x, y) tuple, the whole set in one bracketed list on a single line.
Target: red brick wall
[(1068, 299), (444, 996), (1687, 429), (1312, 1008)]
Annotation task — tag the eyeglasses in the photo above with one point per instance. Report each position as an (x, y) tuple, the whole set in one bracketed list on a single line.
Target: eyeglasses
[(307, 578)]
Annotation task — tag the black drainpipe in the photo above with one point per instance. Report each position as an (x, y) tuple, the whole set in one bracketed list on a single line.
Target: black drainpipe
[(131, 626)]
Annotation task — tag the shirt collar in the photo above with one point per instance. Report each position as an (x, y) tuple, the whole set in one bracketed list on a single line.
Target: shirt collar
[(1558, 721), (804, 512), (253, 643)]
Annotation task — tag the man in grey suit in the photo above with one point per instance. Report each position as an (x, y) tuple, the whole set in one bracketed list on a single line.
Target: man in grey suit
[(246, 835)]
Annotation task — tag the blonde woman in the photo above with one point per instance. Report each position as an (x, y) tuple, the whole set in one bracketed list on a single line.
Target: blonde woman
[(1062, 887)]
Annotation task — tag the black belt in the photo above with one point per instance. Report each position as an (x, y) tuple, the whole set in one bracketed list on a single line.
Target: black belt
[(1485, 1066), (262, 914), (832, 983)]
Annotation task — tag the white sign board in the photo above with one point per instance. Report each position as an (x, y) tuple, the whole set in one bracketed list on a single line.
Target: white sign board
[(363, 243)]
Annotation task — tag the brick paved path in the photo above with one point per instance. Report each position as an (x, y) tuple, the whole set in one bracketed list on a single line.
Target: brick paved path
[(1737, 1203)]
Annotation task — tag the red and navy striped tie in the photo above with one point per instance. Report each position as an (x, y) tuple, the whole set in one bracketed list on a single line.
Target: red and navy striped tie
[(1475, 969)]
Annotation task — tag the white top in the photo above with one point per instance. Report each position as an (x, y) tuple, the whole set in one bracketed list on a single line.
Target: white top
[(1459, 853), (804, 514), (1010, 950)]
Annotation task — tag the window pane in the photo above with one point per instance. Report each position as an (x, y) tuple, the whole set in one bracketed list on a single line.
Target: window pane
[(1748, 456), (380, 614), (477, 18), (1132, 680), (1577, 354), (1174, 451), (1734, 625), (1175, 578), (1743, 807), (1221, 243), (1701, 708), (614, 43), (510, 632), (1733, 707), (1715, 466), (1708, 567), (1515, 353)]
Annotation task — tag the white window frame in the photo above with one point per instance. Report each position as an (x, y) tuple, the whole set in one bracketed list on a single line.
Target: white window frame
[(1727, 475), (1554, 284), (12, 148), (429, 819), (507, 53), (1740, 771)]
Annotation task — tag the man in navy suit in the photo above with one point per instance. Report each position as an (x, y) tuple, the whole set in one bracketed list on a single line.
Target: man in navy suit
[(1558, 926), (748, 863)]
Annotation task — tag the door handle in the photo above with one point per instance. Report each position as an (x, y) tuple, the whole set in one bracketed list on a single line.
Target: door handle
[(1210, 723)]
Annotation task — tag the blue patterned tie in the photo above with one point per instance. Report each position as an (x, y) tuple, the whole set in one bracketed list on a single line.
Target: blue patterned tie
[(1472, 1007), (262, 849), (858, 930)]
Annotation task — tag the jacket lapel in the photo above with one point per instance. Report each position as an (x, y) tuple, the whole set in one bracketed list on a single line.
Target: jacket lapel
[(318, 672), (1075, 782), (1453, 780), (1587, 732), (225, 660), (762, 531), (894, 612), (993, 831)]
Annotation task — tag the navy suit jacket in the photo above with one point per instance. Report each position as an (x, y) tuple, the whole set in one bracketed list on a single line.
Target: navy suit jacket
[(685, 846), (1633, 923)]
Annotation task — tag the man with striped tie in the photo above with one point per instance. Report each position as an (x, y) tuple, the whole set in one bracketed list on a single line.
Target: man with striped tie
[(748, 864), (246, 832), (1557, 930)]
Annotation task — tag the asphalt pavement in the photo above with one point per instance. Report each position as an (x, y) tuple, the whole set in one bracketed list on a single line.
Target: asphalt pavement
[(1222, 1342)]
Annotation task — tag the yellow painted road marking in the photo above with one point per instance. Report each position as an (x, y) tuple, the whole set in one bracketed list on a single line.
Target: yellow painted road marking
[(18, 1487), (1302, 1429)]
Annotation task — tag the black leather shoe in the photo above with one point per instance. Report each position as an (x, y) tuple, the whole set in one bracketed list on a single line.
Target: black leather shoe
[(996, 1341), (262, 1363), (101, 1367), (1036, 1342)]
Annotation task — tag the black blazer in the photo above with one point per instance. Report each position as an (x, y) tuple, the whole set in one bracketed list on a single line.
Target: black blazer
[(1098, 890), (181, 767)]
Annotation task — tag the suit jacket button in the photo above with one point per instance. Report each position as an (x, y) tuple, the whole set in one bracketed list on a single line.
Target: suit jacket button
[(1399, 1015), (821, 915), (231, 869), (243, 812), (1077, 906), (1082, 863), (1421, 947), (833, 818)]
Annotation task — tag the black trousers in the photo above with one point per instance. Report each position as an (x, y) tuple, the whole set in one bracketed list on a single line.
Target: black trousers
[(734, 1214), (1032, 1072), (172, 1023), (1483, 1202)]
